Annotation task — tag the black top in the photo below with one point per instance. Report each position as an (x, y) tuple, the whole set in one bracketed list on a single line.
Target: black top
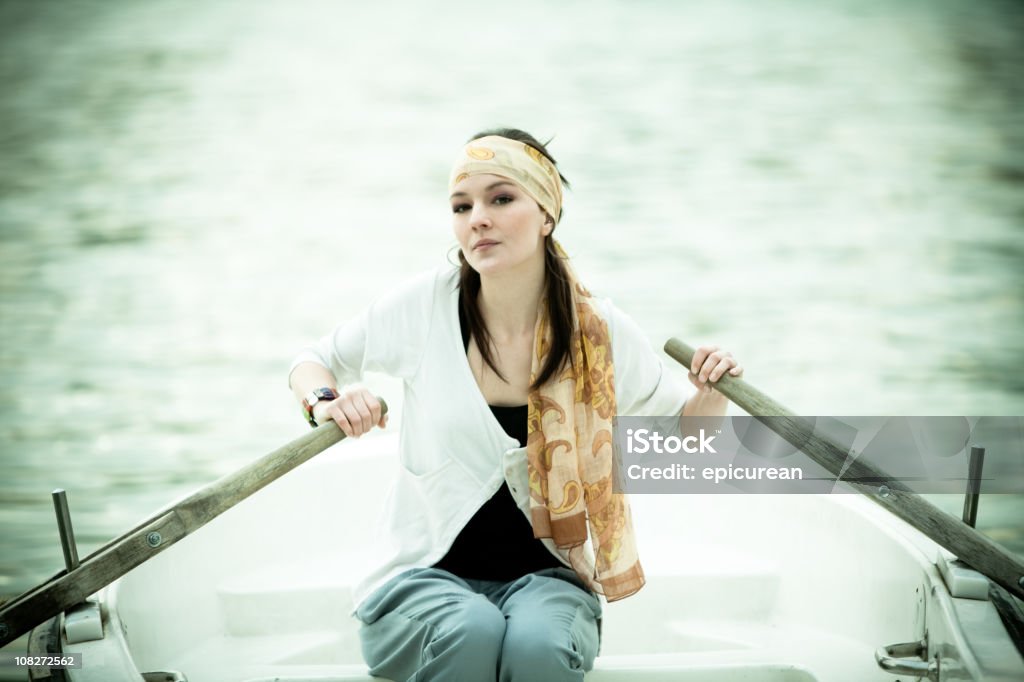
[(498, 543)]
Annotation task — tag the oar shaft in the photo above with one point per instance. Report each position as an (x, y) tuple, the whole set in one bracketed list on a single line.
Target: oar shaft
[(972, 547), (157, 533)]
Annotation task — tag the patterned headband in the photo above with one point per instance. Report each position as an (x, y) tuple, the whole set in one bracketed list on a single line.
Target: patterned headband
[(515, 160)]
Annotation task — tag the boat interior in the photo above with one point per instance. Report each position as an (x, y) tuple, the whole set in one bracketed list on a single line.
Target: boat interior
[(763, 588)]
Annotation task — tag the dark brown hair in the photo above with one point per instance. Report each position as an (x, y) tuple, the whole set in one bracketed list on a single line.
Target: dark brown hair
[(556, 286)]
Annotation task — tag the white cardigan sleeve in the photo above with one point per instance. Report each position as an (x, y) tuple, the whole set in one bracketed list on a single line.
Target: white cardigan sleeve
[(387, 337), (643, 384)]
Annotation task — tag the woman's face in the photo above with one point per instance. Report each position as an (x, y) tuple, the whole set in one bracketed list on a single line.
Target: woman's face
[(499, 226)]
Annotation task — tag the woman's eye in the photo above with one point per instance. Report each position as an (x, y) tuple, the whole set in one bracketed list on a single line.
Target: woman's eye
[(502, 199), (459, 208)]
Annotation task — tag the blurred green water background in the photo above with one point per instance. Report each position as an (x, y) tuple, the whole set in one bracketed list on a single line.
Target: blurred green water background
[(191, 191)]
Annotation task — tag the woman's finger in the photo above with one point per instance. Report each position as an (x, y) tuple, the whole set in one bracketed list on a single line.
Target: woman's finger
[(726, 363), (375, 409), (710, 363), (340, 419), (359, 402), (353, 417), (700, 356)]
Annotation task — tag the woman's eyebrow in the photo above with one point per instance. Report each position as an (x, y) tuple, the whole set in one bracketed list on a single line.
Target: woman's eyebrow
[(486, 189)]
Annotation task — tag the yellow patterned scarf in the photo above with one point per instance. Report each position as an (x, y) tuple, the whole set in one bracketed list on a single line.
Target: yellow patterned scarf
[(569, 452)]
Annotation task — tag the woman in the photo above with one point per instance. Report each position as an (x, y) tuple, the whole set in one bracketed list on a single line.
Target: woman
[(483, 569)]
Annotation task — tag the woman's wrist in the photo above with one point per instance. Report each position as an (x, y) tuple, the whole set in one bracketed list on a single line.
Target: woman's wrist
[(320, 412), (317, 398), (706, 404)]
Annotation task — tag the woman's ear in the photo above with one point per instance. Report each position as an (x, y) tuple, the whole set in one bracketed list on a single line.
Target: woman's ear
[(549, 225)]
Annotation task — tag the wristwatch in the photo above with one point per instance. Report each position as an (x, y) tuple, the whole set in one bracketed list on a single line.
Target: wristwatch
[(312, 398)]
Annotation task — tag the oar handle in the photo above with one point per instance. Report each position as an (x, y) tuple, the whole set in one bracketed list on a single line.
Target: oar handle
[(980, 552), (160, 531)]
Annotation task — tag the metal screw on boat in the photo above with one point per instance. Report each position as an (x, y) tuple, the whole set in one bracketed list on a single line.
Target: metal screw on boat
[(883, 490), (154, 539)]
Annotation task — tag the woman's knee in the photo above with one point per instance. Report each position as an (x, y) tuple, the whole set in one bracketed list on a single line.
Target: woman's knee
[(474, 621), (469, 644), (539, 652), (458, 638)]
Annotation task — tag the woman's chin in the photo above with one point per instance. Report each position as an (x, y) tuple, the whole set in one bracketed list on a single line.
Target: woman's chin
[(493, 266), (487, 266)]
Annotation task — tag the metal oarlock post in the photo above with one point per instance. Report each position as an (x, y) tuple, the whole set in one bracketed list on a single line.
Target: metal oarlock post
[(67, 533), (974, 467)]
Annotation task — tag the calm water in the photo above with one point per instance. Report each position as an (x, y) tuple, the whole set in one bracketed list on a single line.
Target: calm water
[(190, 191)]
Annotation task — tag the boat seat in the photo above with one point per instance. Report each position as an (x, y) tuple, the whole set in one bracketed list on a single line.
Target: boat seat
[(309, 596), (708, 621)]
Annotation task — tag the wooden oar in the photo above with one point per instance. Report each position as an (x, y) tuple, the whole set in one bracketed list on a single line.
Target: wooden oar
[(158, 532), (973, 548)]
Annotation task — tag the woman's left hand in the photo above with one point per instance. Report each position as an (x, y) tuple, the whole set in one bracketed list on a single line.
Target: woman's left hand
[(708, 366)]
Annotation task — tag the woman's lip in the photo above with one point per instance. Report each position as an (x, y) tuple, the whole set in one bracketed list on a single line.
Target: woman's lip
[(483, 244)]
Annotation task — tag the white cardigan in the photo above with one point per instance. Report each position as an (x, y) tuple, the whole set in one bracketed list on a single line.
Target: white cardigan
[(454, 454)]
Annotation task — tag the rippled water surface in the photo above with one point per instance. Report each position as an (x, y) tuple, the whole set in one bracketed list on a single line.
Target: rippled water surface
[(190, 191)]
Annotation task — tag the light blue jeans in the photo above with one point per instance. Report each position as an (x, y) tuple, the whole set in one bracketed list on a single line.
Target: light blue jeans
[(428, 624)]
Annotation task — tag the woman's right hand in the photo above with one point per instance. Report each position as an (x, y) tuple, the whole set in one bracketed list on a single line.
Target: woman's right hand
[(355, 410)]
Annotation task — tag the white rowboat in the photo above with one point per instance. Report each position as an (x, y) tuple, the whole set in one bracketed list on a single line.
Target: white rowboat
[(766, 588)]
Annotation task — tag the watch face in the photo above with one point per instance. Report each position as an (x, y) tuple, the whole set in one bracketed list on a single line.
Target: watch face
[(323, 394)]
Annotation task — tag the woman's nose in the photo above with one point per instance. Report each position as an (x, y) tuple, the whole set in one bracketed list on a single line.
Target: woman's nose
[(479, 218)]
